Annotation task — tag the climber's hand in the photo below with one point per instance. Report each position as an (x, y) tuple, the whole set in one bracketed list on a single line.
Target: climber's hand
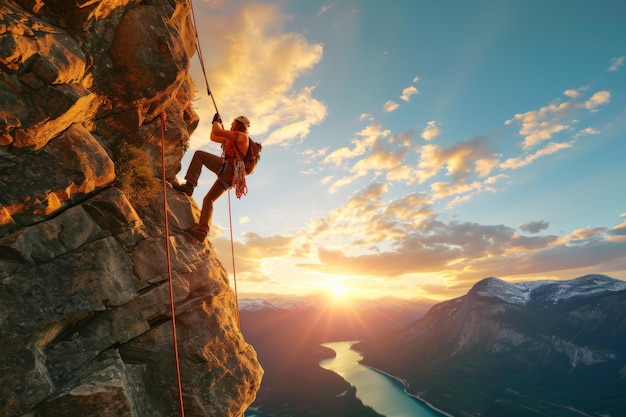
[(217, 118)]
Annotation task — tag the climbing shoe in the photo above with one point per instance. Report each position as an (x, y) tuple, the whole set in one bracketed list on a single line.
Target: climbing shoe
[(184, 188), (199, 235)]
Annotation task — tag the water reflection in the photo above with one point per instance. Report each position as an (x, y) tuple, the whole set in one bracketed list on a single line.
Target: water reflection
[(384, 394)]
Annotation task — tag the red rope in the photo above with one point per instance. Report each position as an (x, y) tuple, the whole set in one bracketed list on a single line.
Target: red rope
[(232, 254), (242, 189), (200, 57), (169, 267)]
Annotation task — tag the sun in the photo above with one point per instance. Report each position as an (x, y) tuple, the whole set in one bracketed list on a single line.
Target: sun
[(338, 291)]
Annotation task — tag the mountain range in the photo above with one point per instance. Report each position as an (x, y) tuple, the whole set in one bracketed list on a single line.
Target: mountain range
[(542, 348)]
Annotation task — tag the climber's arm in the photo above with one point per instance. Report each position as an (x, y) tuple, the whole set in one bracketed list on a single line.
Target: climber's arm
[(221, 135)]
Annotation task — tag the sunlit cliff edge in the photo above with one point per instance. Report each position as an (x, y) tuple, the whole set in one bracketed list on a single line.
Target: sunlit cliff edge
[(85, 325)]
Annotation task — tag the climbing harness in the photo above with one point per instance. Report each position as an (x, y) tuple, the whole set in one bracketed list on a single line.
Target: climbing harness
[(169, 266), (239, 190)]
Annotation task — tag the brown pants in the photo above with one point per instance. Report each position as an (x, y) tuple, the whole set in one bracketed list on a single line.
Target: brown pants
[(224, 172)]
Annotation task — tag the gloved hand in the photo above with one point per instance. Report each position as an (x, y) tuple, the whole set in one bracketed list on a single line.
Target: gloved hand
[(217, 118)]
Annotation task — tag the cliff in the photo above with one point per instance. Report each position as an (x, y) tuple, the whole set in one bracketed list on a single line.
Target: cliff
[(85, 319)]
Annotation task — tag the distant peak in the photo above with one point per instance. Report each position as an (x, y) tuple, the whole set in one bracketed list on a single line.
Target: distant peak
[(498, 288), (596, 278), (546, 290)]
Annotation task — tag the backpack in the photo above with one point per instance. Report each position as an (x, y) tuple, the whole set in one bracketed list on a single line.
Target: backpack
[(252, 156)]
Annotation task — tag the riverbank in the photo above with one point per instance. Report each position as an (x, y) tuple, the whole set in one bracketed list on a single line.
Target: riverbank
[(385, 393), (405, 385)]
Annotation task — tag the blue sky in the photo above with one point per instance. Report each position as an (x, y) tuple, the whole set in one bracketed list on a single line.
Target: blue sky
[(413, 148)]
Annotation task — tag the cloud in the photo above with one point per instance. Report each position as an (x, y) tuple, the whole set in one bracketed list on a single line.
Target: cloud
[(312, 154), (494, 179), (425, 246), (431, 131), (598, 99), (368, 136), (406, 139), (390, 106), (295, 120), (458, 200), (445, 189), (260, 246), (345, 223), (619, 230), (325, 8), (408, 92), (616, 62), (409, 207), (458, 171), (465, 252), (484, 167), (579, 236), (572, 93), (253, 68), (534, 227), (525, 160), (461, 160), (541, 125), (585, 132), (380, 158), (430, 163), (404, 237), (376, 156), (327, 179), (341, 182)]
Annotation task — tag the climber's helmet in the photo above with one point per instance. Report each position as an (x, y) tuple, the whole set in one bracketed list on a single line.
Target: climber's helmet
[(244, 121)]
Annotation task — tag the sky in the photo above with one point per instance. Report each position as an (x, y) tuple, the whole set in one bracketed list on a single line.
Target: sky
[(413, 148)]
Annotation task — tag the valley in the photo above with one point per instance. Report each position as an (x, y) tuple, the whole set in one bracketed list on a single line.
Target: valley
[(527, 349)]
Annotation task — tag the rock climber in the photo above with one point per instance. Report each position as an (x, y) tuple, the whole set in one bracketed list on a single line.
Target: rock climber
[(223, 167)]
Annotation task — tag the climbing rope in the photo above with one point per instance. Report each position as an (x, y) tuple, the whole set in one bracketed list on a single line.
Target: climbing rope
[(239, 190), (232, 254), (169, 266), (200, 58)]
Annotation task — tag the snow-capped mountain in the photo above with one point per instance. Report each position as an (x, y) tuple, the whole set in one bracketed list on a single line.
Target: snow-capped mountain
[(277, 302), (547, 291), (524, 349)]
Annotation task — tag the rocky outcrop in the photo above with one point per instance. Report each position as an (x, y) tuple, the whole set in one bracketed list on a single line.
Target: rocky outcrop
[(85, 317)]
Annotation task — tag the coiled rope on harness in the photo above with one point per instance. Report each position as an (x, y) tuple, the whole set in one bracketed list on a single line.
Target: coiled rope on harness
[(169, 267), (239, 179)]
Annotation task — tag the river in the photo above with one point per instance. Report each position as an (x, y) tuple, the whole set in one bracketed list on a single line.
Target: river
[(383, 393)]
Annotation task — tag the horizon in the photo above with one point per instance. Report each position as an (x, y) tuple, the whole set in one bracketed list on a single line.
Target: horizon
[(411, 150), (344, 300)]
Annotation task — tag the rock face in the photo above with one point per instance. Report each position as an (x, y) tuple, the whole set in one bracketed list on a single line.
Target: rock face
[(85, 318)]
